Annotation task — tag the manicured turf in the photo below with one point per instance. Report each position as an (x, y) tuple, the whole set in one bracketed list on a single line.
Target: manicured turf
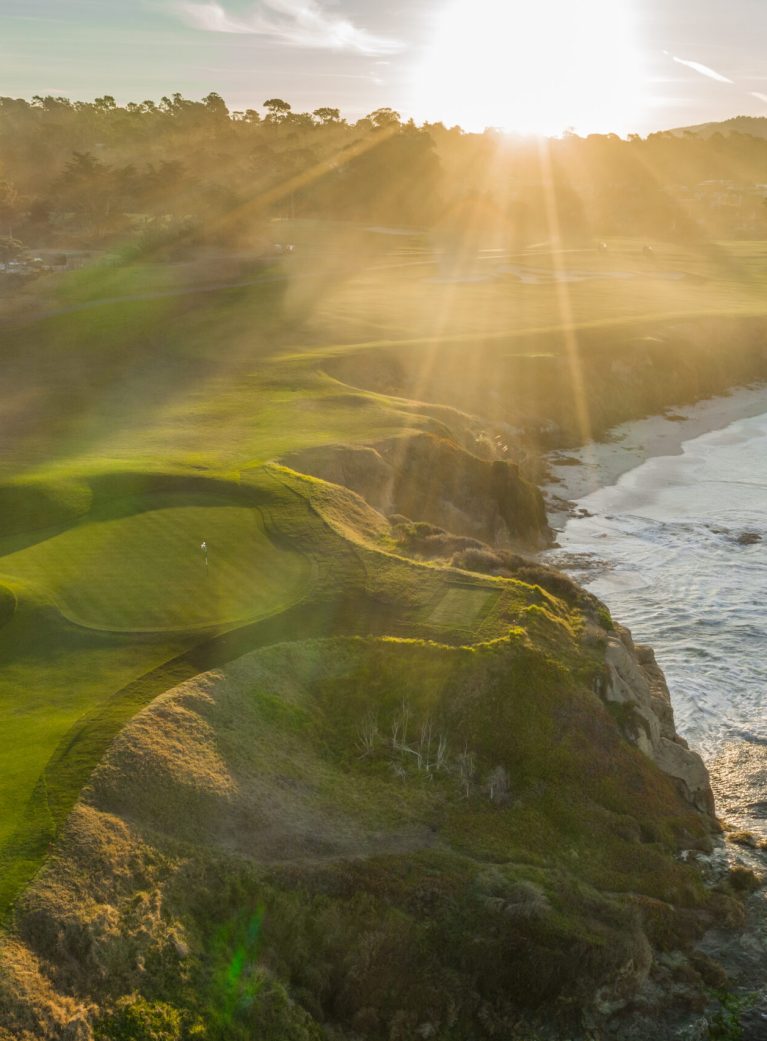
[(148, 571), (121, 574), (462, 607), (53, 675)]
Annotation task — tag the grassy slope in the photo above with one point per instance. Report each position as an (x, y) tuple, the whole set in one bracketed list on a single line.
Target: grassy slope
[(347, 851), (84, 671), (112, 409), (90, 621), (236, 378)]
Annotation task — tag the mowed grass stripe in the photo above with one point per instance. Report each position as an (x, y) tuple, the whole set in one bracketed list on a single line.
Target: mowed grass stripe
[(461, 607), (148, 573)]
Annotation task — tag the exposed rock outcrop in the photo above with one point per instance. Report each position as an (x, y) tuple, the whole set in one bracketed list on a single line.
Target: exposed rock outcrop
[(635, 679), (429, 478)]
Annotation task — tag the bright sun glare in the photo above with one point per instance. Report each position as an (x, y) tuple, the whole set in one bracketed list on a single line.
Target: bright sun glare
[(533, 66)]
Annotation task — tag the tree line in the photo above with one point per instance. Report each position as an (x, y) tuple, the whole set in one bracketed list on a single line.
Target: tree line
[(90, 173)]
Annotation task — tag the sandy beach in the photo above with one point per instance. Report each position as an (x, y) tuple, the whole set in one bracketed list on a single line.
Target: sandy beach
[(599, 464)]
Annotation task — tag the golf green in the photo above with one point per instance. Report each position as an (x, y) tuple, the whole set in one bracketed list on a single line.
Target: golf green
[(170, 568)]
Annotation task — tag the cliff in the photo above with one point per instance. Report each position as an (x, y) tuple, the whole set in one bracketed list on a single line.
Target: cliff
[(635, 681), (434, 479)]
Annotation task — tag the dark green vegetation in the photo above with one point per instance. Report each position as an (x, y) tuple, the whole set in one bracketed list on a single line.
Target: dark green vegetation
[(163, 178)]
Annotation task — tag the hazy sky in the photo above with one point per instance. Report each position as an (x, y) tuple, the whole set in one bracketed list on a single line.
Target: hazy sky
[(689, 61)]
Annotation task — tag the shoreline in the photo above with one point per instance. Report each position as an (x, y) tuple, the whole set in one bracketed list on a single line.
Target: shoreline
[(737, 762), (576, 473)]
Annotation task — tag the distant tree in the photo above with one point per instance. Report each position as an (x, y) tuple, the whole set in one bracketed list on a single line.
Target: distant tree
[(216, 105), (277, 108), (161, 159), (174, 105), (50, 103), (327, 115), (384, 117), (91, 190), (396, 181)]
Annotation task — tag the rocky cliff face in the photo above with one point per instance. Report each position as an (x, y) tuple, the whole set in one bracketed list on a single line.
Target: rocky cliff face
[(635, 680), (433, 479)]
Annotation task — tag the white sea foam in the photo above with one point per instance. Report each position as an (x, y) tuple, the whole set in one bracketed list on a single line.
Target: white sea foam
[(679, 577)]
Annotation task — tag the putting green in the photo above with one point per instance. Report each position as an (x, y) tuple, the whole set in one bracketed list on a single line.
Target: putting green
[(148, 572)]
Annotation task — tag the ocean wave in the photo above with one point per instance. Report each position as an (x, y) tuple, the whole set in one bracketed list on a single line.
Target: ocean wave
[(678, 551)]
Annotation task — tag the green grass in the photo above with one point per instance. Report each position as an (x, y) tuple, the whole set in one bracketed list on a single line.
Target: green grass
[(110, 608), (146, 572), (122, 575), (119, 596), (239, 377), (134, 430), (53, 675), (462, 607)]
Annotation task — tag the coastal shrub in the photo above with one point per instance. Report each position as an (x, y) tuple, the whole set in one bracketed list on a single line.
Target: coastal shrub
[(710, 971), (725, 1024), (742, 879), (553, 581), (427, 540), (489, 561), (264, 1011), (135, 1019), (483, 560), (456, 911)]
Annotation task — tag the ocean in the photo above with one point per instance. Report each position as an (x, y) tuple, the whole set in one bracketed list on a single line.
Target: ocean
[(677, 549)]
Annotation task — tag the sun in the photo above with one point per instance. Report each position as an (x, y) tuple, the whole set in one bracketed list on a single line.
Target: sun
[(532, 66)]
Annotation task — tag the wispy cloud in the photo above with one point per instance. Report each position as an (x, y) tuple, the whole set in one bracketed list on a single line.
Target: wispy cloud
[(757, 94), (704, 70), (299, 23)]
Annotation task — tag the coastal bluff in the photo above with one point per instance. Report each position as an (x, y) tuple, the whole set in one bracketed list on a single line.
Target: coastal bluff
[(635, 680)]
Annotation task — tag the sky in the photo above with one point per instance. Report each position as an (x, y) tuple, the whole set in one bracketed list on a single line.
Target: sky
[(532, 65)]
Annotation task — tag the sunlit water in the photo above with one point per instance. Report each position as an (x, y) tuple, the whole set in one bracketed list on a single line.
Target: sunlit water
[(680, 570)]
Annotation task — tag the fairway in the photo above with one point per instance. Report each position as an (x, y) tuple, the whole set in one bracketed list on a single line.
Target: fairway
[(149, 572)]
